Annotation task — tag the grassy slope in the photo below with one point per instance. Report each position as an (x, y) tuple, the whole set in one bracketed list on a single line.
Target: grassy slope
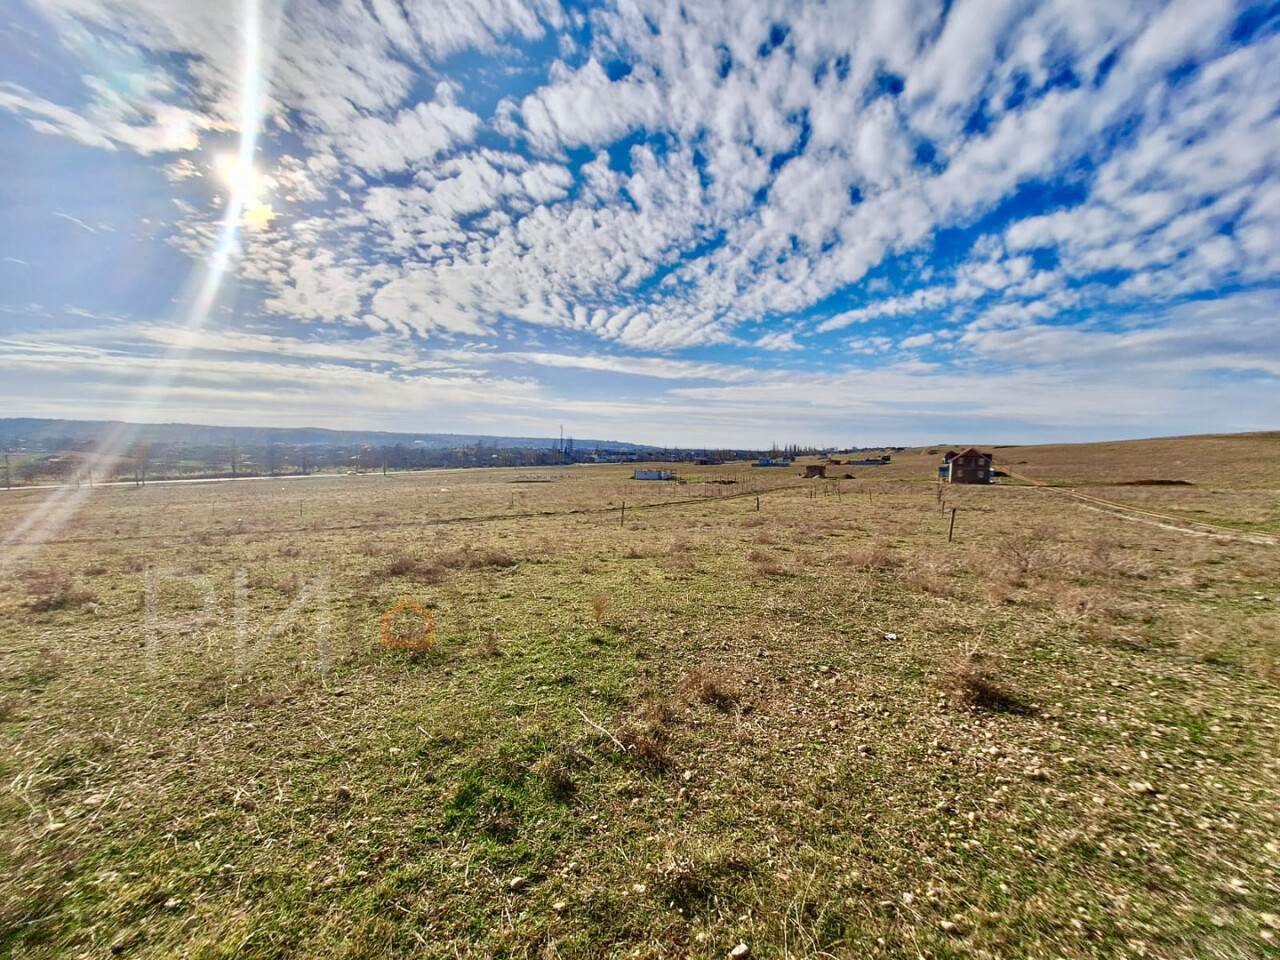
[(1066, 749)]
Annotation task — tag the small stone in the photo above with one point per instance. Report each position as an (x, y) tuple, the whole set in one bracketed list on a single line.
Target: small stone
[(687, 776), (638, 888), (948, 927), (1141, 786), (172, 903), (517, 883), (560, 906), (891, 636), (740, 951)]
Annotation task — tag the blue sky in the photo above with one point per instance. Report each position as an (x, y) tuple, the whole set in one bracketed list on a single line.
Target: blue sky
[(892, 221)]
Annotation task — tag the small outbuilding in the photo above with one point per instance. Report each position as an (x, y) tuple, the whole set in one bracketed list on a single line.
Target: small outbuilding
[(646, 473), (967, 466), (814, 471)]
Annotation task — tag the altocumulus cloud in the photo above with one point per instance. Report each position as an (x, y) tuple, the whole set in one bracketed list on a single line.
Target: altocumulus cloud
[(694, 223)]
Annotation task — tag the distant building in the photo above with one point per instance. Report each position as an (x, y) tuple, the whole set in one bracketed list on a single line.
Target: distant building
[(652, 474), (967, 466), (814, 471), (770, 462)]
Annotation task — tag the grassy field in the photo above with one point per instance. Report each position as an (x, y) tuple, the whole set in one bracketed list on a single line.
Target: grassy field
[(809, 729)]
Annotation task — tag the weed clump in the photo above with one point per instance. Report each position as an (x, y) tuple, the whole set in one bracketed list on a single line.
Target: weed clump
[(423, 570), (647, 743), (708, 685), (928, 580), (436, 568), (557, 771), (600, 607), (971, 682), (873, 556), (690, 883), (53, 591)]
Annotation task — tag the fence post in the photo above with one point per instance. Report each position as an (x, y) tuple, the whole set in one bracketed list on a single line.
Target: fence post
[(952, 526)]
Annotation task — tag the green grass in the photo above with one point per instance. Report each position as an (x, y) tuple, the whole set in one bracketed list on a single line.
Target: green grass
[(642, 739)]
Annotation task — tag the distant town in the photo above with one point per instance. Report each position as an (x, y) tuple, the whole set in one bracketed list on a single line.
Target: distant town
[(41, 451)]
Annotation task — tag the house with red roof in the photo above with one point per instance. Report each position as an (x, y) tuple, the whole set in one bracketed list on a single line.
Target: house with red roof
[(967, 466)]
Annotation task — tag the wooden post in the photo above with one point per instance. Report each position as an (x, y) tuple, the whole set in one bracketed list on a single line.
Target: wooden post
[(623, 519), (757, 504), (951, 528)]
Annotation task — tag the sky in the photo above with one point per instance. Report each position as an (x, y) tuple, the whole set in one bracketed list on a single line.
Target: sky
[(707, 224)]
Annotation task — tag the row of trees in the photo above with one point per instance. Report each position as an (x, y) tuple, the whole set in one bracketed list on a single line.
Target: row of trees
[(157, 461)]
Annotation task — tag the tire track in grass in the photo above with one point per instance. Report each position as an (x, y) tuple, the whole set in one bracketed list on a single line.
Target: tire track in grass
[(1164, 521)]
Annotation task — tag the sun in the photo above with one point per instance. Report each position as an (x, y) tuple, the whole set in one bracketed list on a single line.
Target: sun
[(241, 178), (247, 187)]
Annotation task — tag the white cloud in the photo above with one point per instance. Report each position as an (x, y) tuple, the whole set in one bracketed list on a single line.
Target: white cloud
[(414, 135), (778, 341), (765, 187)]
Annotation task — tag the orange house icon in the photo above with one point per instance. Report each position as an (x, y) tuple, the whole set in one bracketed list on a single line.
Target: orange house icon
[(425, 641)]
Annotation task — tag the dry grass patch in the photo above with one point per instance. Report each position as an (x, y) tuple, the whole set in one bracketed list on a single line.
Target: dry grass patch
[(600, 603), (874, 556), (931, 580), (971, 680), (708, 684), (646, 741), (55, 591)]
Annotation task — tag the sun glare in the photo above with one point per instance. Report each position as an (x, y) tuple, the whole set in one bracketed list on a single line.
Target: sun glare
[(240, 177)]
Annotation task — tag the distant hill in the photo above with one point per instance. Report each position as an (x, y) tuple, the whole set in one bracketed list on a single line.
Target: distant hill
[(19, 432), (1235, 461)]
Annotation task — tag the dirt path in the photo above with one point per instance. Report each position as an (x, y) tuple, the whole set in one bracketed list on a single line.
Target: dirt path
[(1215, 531)]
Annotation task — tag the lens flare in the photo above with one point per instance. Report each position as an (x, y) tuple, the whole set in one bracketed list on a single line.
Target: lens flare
[(243, 181), (244, 184)]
